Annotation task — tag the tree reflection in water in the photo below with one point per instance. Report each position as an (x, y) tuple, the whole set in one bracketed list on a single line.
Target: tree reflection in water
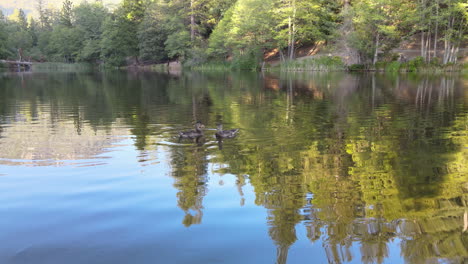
[(356, 159)]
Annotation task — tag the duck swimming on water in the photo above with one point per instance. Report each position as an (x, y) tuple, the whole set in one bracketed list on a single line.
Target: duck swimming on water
[(198, 132), (220, 133)]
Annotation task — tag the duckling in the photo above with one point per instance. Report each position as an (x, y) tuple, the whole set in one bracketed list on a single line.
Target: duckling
[(198, 132), (220, 134)]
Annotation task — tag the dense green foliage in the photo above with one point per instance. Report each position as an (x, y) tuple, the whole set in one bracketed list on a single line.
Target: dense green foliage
[(199, 31)]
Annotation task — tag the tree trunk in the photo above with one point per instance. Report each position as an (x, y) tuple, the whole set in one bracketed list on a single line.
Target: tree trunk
[(194, 108), (291, 54), (436, 29), (349, 53), (465, 221), (293, 35), (422, 45), (192, 22), (452, 53), (289, 36), (457, 45), (376, 53), (347, 4), (448, 44), (281, 55), (455, 55), (446, 50), (428, 47), (282, 254), (20, 54), (422, 32), (373, 91)]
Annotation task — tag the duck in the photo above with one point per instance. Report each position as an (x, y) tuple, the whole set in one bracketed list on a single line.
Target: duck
[(220, 133), (198, 132)]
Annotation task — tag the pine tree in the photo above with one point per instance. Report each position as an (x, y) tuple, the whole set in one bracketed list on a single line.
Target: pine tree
[(44, 19), (4, 52), (20, 17), (33, 28), (66, 13)]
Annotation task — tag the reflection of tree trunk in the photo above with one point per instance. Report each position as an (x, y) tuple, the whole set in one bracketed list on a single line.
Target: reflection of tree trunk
[(446, 93), (195, 219), (194, 107), (289, 100), (373, 91), (240, 182), (465, 221), (220, 144), (332, 253), (416, 99), (282, 254), (289, 35), (429, 99)]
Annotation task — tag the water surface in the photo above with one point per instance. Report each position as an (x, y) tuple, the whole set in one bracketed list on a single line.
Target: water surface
[(327, 168)]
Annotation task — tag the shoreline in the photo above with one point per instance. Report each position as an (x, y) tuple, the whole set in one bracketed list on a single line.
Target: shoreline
[(297, 65)]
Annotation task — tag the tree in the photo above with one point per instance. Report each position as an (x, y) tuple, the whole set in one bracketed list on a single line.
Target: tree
[(33, 30), (4, 51), (120, 32), (302, 22), (65, 44), (66, 13), (455, 27), (43, 15), (153, 33), (208, 13), (119, 39), (89, 18), (252, 24), (19, 39), (178, 43), (426, 21), (19, 17), (166, 31), (217, 46), (440, 20), (247, 28), (378, 25), (134, 10)]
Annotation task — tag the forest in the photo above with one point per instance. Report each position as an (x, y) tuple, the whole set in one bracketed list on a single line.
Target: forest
[(242, 32)]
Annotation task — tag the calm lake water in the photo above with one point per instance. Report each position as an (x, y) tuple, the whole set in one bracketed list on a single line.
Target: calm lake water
[(326, 168)]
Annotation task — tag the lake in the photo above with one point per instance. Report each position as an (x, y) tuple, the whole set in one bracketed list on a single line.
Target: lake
[(326, 168)]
